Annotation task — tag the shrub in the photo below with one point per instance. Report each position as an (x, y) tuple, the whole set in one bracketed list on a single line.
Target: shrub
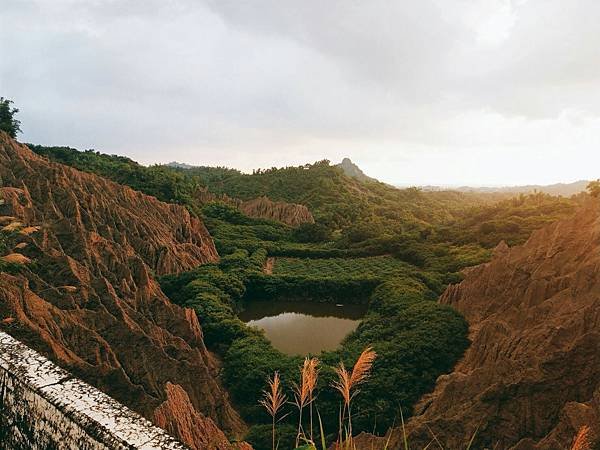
[(259, 436), (417, 339), (8, 121), (311, 232)]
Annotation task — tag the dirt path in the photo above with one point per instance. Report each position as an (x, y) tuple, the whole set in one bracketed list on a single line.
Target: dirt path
[(269, 263)]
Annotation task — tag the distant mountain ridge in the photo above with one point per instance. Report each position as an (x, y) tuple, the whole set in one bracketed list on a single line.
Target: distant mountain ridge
[(564, 189), (178, 165), (348, 167)]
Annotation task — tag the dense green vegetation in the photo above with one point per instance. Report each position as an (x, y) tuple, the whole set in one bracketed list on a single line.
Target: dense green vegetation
[(379, 268), (416, 338), (336, 200), (353, 218), (394, 249), (372, 218), (402, 324), (353, 210), (512, 220), (160, 181)]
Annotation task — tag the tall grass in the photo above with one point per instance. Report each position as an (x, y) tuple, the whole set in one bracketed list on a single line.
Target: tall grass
[(346, 384), (304, 394), (273, 399)]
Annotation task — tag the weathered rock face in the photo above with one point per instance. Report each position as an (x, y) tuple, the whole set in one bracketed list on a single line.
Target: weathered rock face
[(178, 417), (89, 300), (531, 377), (353, 171), (203, 195), (291, 214)]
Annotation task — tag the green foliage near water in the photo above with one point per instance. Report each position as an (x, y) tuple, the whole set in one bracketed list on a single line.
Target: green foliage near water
[(379, 268), (417, 338), (416, 341), (396, 249)]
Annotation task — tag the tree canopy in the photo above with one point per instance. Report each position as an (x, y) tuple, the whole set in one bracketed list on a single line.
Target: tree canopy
[(8, 122), (594, 188)]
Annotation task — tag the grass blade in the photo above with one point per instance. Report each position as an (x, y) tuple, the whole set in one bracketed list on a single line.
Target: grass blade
[(323, 445), (404, 436), (472, 438)]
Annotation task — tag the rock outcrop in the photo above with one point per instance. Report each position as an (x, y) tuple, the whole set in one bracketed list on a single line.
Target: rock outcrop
[(88, 298), (291, 214), (531, 377), (353, 171), (178, 417), (288, 213)]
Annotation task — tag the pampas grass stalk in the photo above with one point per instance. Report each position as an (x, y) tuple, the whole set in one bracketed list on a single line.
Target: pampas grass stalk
[(303, 392), (273, 399), (312, 378), (347, 382)]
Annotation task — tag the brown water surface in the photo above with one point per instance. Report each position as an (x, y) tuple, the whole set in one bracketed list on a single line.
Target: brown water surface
[(301, 327)]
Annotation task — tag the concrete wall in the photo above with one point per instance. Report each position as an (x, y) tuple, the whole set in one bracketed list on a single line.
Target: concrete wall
[(44, 407)]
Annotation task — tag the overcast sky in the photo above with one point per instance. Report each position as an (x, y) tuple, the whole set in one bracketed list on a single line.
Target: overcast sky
[(480, 92)]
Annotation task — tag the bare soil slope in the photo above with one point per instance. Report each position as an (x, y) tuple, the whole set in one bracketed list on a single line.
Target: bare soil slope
[(531, 377), (89, 300)]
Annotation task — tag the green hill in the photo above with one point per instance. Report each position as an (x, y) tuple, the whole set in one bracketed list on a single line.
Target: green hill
[(393, 249), (335, 199), (367, 215)]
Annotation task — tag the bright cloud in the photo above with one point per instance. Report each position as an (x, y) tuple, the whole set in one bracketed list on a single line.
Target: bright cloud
[(423, 92)]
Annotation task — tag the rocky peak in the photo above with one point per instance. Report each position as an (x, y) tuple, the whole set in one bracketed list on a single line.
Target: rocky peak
[(353, 171), (501, 248)]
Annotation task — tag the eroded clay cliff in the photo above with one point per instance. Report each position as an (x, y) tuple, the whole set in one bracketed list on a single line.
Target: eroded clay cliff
[(291, 214), (86, 295), (531, 377)]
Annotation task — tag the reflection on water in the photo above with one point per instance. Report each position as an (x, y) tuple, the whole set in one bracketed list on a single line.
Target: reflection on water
[(303, 327)]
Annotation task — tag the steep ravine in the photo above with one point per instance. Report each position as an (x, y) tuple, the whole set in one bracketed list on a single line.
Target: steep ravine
[(531, 377), (89, 299)]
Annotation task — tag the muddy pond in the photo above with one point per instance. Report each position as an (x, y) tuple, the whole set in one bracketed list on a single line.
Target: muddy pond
[(302, 327)]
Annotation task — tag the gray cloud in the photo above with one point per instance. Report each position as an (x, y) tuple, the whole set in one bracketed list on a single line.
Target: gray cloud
[(418, 92)]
